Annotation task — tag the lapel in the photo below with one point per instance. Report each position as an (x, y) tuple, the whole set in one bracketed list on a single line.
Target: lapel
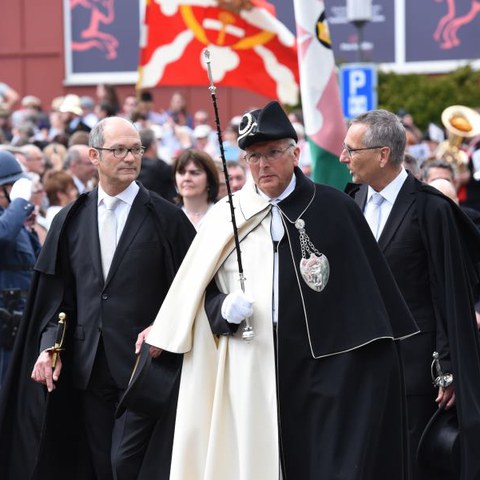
[(402, 205), (359, 194), (135, 219), (92, 235)]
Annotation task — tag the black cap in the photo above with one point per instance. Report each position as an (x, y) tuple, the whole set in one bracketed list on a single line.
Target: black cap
[(153, 384), (439, 446), (262, 125)]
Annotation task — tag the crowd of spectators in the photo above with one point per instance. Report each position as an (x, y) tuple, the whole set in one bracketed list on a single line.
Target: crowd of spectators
[(51, 145), (50, 138), (48, 145)]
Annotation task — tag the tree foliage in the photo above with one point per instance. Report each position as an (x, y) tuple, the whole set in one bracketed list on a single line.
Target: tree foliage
[(426, 96)]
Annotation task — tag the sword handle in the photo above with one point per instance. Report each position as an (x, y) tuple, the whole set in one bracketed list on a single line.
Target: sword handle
[(57, 348)]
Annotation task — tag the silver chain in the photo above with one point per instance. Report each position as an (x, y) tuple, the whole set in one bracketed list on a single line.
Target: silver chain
[(306, 244)]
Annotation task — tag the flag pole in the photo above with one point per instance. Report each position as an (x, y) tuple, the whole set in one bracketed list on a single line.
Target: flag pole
[(248, 333)]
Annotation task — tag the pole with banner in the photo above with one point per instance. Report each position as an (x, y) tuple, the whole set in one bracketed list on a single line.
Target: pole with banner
[(324, 123)]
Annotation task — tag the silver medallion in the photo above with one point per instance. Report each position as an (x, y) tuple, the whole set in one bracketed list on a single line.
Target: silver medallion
[(315, 271), (314, 266)]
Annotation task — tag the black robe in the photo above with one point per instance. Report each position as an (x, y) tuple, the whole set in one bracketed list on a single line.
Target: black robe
[(40, 432), (340, 392), (338, 398), (453, 266)]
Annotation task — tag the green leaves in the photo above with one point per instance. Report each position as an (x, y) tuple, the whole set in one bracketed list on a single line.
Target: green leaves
[(426, 96)]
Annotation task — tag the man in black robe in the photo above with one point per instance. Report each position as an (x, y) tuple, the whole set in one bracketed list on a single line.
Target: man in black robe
[(433, 251), (69, 430), (318, 391)]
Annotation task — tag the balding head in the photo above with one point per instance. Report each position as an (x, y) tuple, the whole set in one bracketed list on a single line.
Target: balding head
[(32, 159), (116, 150), (446, 187), (78, 163)]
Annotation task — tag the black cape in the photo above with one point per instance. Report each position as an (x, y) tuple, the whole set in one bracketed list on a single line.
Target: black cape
[(340, 392), (459, 255), (334, 405), (39, 432)]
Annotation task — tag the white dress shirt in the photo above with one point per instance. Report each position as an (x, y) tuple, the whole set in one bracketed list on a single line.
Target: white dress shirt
[(122, 209), (278, 231), (389, 193)]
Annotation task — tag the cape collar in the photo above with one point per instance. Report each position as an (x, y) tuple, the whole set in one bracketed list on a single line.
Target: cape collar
[(251, 203)]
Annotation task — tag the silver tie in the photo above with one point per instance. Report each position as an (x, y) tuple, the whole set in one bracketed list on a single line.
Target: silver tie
[(277, 231), (373, 213), (108, 233), (276, 228)]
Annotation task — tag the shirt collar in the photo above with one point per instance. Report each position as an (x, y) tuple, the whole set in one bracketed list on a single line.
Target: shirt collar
[(290, 188), (391, 191), (127, 196)]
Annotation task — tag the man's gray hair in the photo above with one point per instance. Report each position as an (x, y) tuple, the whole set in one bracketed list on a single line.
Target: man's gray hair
[(439, 163), (384, 129), (96, 138), (148, 138), (72, 157)]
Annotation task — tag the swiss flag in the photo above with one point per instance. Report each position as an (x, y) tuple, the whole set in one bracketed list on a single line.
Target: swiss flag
[(249, 47)]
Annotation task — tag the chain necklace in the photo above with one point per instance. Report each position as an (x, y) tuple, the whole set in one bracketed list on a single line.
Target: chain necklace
[(314, 265)]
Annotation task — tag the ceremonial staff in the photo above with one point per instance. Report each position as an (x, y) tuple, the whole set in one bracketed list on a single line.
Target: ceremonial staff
[(248, 333)]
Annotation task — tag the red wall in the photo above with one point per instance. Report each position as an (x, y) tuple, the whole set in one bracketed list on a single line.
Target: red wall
[(32, 62)]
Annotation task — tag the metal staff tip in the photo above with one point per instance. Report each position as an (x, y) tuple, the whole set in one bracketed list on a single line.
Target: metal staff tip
[(206, 53)]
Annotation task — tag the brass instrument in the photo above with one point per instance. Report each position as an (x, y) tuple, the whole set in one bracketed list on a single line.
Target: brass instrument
[(460, 122)]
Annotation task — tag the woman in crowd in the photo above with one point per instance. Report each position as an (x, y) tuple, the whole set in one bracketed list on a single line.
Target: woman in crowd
[(60, 190), (196, 180)]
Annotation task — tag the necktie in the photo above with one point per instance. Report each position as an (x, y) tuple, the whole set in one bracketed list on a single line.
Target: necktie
[(276, 227), (108, 233), (277, 231), (373, 213)]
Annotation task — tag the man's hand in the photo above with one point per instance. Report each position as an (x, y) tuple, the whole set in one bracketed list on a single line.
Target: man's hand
[(42, 371), (236, 307), (446, 397), (154, 351)]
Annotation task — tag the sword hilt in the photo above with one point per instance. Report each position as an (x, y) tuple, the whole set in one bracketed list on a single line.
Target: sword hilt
[(58, 345)]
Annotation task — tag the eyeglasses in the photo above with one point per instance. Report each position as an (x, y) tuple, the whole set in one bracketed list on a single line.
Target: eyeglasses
[(272, 154), (352, 150), (121, 152)]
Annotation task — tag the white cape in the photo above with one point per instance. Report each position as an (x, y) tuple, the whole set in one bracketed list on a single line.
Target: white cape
[(226, 424)]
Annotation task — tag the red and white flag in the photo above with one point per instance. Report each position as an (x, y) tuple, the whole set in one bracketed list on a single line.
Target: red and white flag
[(249, 46)]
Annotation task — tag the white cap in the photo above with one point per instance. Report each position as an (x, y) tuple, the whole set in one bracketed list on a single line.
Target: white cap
[(202, 131)]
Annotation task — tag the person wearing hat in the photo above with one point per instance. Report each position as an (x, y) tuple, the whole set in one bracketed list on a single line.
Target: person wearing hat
[(317, 393), (72, 111), (19, 249)]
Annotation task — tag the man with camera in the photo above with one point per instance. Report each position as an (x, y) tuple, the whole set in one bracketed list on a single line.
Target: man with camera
[(19, 248)]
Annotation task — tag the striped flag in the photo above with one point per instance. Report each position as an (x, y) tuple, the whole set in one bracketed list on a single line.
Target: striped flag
[(250, 47), (324, 123)]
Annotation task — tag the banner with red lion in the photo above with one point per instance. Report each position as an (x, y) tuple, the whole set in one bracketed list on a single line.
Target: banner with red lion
[(249, 47)]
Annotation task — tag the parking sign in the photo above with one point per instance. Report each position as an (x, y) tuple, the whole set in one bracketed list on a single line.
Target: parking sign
[(358, 84)]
